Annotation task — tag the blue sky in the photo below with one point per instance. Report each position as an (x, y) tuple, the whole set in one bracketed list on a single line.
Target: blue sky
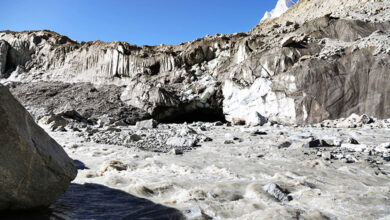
[(138, 22)]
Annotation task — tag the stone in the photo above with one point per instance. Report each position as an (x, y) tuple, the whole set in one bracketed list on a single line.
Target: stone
[(35, 171), (384, 148), (133, 138), (316, 143), (277, 192), (180, 142), (113, 165), (256, 119), (54, 121), (287, 41), (228, 142), (147, 124), (354, 147), (286, 144)]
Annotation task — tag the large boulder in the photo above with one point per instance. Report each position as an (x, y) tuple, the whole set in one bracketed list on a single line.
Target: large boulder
[(34, 170)]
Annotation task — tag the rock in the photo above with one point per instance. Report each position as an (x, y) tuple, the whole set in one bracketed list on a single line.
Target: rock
[(113, 165), (175, 151), (218, 123), (72, 114), (258, 132), (228, 142), (277, 192), (238, 121), (133, 138), (350, 159), (293, 41), (180, 142), (384, 148), (346, 124), (286, 144), (185, 131), (327, 155), (352, 141), (54, 121), (354, 147), (287, 41), (229, 136), (148, 124), (316, 143), (27, 151)]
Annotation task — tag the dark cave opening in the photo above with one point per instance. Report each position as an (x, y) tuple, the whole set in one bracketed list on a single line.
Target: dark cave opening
[(178, 116)]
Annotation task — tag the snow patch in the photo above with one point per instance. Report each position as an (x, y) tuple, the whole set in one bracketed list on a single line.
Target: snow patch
[(281, 7)]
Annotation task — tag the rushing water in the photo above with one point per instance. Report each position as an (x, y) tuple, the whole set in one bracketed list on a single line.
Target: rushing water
[(226, 181)]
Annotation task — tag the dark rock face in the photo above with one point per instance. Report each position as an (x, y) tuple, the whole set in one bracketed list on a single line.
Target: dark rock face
[(68, 100), (35, 171), (3, 56)]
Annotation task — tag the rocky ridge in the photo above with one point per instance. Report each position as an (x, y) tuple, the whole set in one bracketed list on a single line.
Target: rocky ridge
[(289, 70)]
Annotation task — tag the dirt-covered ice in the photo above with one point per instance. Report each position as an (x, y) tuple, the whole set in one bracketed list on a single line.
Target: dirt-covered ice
[(227, 177)]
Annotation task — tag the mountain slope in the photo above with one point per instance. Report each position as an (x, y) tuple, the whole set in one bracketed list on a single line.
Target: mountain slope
[(297, 68)]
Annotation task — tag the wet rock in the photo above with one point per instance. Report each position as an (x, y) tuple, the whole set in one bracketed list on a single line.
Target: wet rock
[(135, 137), (350, 159), (148, 124), (175, 151), (54, 121), (277, 192), (27, 151), (113, 165), (327, 155), (228, 142), (365, 119), (194, 213), (293, 41)]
